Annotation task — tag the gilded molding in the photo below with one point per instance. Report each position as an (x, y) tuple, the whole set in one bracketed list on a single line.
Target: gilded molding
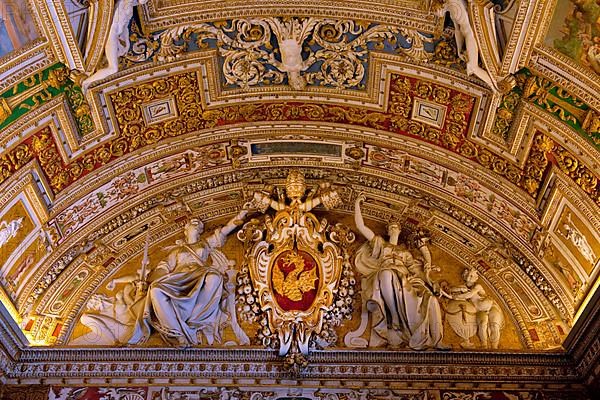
[(384, 11), (32, 59), (383, 366), (519, 46), (576, 79)]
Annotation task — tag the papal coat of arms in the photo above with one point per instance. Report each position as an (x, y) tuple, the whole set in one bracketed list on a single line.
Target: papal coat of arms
[(294, 262)]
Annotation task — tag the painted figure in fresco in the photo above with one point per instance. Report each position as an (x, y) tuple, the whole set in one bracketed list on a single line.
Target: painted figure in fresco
[(466, 40), (579, 240), (8, 230), (397, 290), (117, 43), (472, 311), (13, 278), (188, 291)]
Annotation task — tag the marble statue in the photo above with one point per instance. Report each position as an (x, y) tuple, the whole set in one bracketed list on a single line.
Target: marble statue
[(397, 291), (117, 42), (188, 292), (466, 40), (8, 230), (579, 240), (110, 319), (470, 311)]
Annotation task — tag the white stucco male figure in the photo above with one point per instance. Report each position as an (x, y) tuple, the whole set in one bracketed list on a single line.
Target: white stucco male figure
[(471, 310), (465, 37), (117, 42)]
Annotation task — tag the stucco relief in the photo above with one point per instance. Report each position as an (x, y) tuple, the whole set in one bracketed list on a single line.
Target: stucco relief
[(296, 282), (471, 311), (296, 51), (187, 297), (294, 263)]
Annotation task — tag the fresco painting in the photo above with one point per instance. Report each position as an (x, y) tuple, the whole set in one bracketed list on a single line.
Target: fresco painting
[(13, 278), (17, 28), (575, 32)]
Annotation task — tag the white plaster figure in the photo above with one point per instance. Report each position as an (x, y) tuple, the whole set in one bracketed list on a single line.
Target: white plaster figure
[(117, 42), (472, 311), (579, 240), (188, 291), (465, 37), (110, 319), (8, 230), (397, 291), (290, 36)]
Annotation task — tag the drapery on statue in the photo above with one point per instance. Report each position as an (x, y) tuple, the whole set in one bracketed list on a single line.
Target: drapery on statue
[(110, 319), (472, 311), (117, 42), (397, 290), (188, 292), (465, 37)]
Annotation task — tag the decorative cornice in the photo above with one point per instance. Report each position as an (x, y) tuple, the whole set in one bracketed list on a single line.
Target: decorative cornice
[(383, 11)]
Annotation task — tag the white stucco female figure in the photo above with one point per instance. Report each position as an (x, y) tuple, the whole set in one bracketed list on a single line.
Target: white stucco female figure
[(579, 240), (397, 291), (464, 36), (472, 310), (117, 42), (187, 291)]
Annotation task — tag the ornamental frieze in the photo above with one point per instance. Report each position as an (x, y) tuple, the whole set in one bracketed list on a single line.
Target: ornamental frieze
[(168, 107), (293, 51)]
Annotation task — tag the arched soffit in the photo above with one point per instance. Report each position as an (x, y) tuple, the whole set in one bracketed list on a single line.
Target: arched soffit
[(111, 224)]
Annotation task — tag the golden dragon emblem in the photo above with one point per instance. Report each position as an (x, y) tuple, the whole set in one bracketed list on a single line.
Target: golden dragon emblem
[(297, 282)]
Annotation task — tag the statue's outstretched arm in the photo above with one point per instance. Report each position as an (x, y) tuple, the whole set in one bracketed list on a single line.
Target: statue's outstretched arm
[(358, 218), (263, 202), (233, 223)]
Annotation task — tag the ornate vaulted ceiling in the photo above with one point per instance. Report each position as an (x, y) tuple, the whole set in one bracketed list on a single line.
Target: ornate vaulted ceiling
[(213, 102)]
